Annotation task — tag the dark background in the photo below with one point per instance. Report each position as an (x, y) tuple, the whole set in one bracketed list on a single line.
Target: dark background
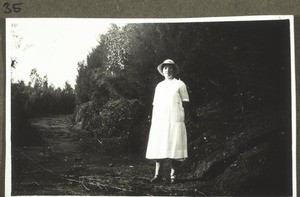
[(141, 9)]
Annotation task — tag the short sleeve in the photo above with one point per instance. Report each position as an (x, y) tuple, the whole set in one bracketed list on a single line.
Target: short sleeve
[(155, 96), (183, 92)]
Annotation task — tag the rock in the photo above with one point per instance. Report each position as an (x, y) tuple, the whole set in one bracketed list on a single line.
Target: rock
[(247, 166), (228, 152), (256, 161), (110, 164), (258, 171)]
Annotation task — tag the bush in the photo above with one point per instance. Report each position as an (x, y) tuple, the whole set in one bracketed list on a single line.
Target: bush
[(115, 119)]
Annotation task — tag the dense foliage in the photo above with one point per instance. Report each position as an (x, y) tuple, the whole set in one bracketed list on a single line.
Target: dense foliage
[(243, 64)]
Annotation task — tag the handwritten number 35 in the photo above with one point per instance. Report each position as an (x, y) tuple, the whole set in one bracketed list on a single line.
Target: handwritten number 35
[(16, 7)]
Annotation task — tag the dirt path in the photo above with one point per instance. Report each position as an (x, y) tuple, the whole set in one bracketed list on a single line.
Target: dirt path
[(68, 165)]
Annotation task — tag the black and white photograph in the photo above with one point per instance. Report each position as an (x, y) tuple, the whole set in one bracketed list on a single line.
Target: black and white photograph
[(150, 107)]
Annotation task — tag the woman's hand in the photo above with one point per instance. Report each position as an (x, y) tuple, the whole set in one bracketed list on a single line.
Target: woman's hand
[(188, 111), (185, 105)]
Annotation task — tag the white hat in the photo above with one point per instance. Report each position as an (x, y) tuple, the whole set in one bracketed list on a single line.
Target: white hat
[(168, 62)]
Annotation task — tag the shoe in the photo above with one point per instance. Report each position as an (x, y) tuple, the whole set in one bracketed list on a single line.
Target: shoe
[(155, 179), (173, 179)]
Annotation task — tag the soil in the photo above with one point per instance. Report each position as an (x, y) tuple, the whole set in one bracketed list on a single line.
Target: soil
[(67, 165)]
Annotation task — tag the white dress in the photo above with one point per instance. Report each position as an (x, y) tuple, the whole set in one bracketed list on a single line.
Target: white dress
[(167, 137)]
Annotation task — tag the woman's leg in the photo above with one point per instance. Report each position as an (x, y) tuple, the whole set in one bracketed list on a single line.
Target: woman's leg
[(158, 166), (174, 167)]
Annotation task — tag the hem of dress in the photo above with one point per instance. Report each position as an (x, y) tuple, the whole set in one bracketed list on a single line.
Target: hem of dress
[(166, 157)]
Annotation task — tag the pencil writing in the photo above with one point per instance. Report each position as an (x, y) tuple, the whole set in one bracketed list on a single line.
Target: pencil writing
[(14, 7)]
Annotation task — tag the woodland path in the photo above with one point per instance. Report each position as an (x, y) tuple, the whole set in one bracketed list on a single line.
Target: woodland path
[(66, 166)]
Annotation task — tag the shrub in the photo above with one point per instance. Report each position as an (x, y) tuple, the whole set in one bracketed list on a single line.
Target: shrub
[(115, 119)]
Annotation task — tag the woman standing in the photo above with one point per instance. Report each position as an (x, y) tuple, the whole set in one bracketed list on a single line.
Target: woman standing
[(167, 137)]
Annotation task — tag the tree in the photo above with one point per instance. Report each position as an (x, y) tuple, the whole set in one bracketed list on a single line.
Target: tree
[(228, 61)]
